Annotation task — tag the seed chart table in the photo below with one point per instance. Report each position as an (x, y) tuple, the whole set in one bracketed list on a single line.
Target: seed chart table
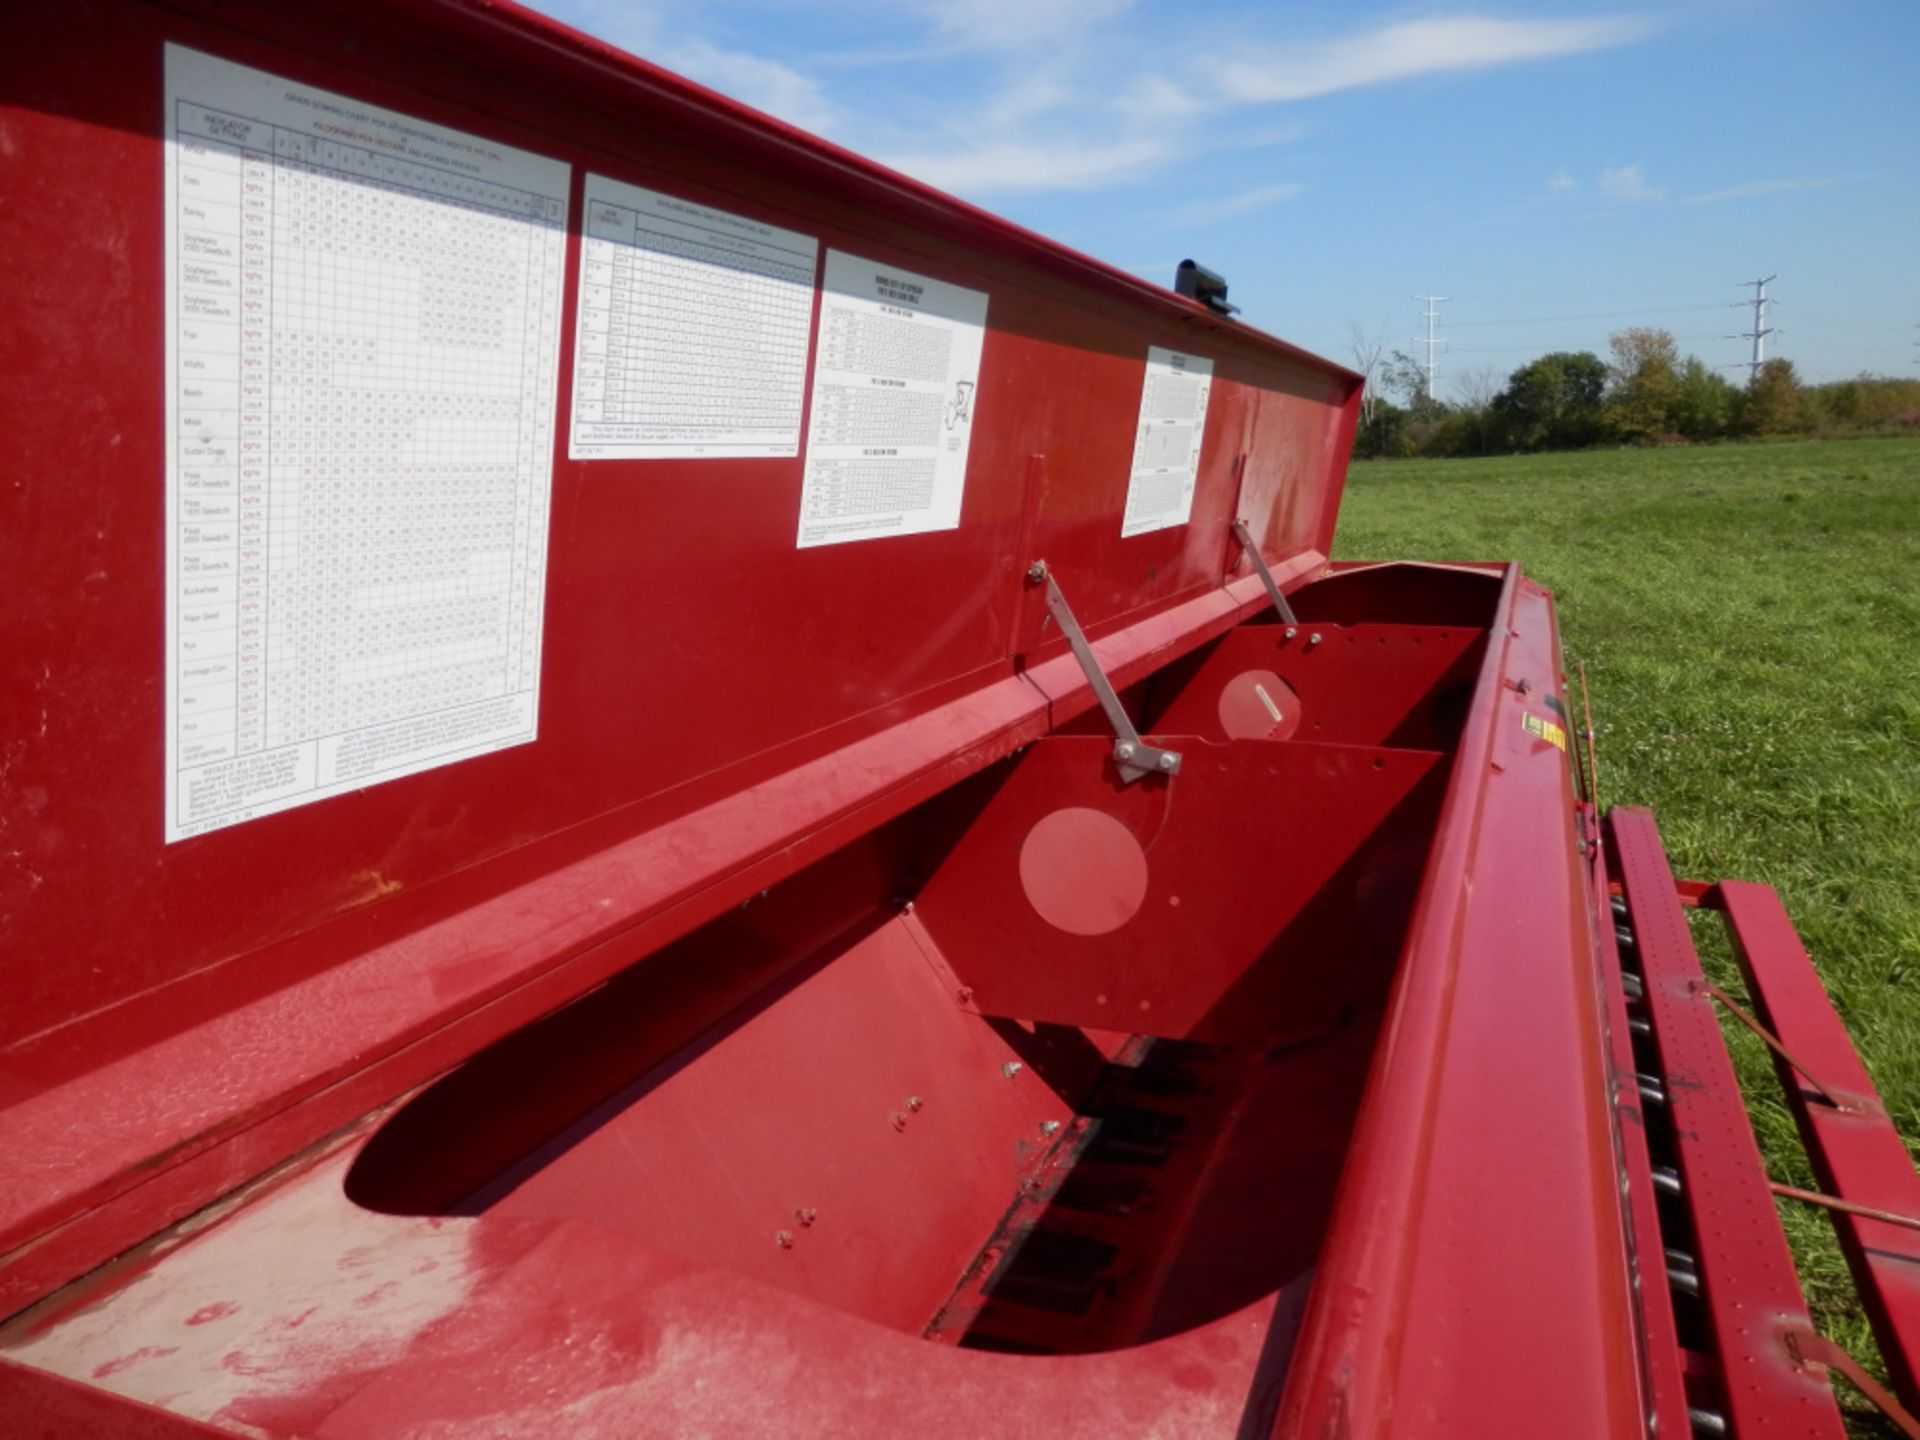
[(692, 339), (1166, 446), (896, 365), (362, 347)]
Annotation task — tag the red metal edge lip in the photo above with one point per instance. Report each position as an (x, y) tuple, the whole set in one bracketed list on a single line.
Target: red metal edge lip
[(1386, 1346)]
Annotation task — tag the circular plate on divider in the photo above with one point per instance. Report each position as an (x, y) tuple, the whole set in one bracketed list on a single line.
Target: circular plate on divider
[(1259, 705), (1083, 871)]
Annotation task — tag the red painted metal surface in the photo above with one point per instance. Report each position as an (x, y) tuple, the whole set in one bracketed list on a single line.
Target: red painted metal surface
[(1400, 685), (1857, 1154), (1341, 829), (1486, 1133), (42, 1406)]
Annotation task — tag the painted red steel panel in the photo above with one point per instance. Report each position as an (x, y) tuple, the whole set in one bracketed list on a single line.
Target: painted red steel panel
[(1368, 685), (1253, 968), (1752, 1292), (1857, 1153), (42, 1406)]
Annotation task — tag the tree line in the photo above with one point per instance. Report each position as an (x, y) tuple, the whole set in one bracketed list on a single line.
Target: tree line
[(1644, 393)]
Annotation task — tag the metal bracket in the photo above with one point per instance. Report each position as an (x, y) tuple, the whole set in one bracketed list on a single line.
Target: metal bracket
[(1245, 537), (1134, 757)]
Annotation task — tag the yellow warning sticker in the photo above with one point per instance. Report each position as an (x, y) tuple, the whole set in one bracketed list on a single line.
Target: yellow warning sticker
[(1544, 729)]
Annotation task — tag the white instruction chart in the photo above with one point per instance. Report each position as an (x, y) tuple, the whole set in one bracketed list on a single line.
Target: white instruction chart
[(1166, 446), (692, 330), (896, 369), (362, 352)]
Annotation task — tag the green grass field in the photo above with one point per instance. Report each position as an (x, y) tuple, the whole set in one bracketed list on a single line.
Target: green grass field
[(1749, 616)]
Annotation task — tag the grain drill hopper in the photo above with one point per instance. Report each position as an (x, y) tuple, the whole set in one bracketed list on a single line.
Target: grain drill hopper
[(655, 782)]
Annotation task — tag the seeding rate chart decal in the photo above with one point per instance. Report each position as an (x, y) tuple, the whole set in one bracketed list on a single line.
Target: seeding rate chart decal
[(363, 317), (896, 365), (1166, 446), (692, 332)]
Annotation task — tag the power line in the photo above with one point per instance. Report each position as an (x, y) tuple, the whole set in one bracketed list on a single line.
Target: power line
[(1804, 316), (1431, 342), (1600, 314)]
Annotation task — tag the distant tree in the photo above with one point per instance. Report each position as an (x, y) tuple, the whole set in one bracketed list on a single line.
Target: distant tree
[(1774, 401), (1862, 402), (1383, 434), (1367, 351), (1705, 403), (1845, 402), (1643, 382), (1470, 422), (1406, 378), (1477, 387), (1552, 403)]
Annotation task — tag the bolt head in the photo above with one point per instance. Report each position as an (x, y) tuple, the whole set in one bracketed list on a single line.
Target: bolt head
[(1049, 1127), (1314, 639), (1291, 632), (1011, 1068), (1123, 750), (784, 1239), (1037, 572), (914, 1102), (806, 1216), (1167, 762)]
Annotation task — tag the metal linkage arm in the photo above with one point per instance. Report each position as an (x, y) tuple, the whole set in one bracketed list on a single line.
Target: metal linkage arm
[(1245, 537), (1131, 754)]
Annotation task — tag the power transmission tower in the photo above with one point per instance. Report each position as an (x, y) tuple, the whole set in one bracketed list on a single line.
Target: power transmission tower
[(1432, 342), (1758, 335)]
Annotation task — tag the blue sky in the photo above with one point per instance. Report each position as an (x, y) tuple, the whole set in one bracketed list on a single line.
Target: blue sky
[(1558, 171)]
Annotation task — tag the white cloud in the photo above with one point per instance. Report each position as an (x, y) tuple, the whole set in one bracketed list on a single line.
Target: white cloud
[(1009, 166), (1023, 99), (1015, 25), (1766, 187), (1562, 181), (1626, 185), (1155, 97), (1068, 94), (1412, 48), (767, 85), (1231, 207), (1264, 137)]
